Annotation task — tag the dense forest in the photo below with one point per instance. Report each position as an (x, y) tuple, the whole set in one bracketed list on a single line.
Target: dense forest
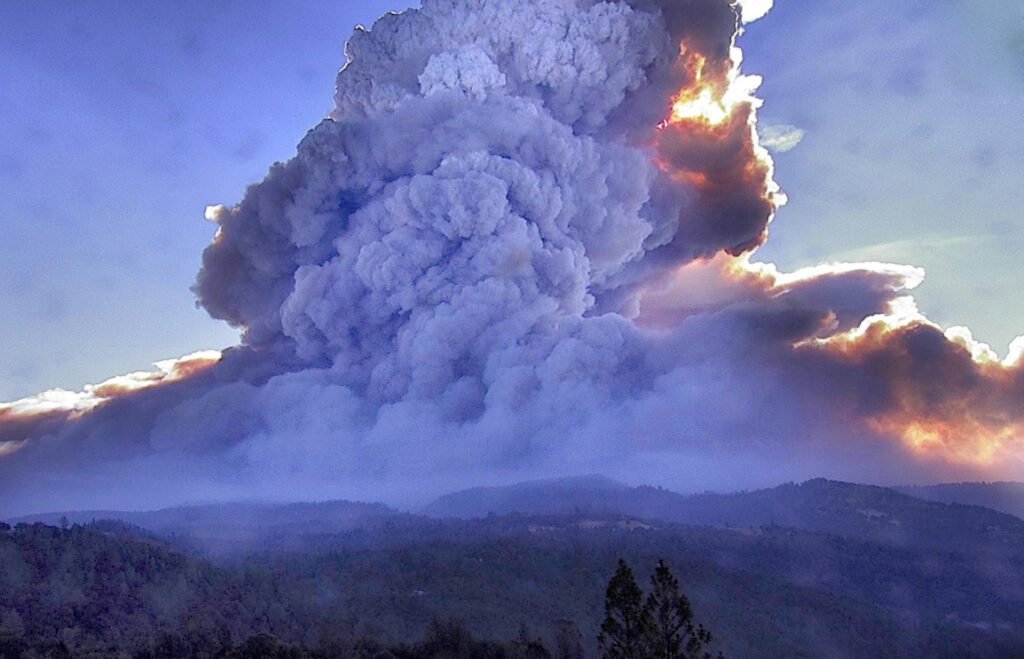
[(379, 583)]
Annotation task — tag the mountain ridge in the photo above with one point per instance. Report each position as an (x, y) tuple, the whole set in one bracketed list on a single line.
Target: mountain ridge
[(869, 512)]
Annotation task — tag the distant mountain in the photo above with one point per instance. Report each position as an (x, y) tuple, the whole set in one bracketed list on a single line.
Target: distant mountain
[(865, 512), (234, 527), (1006, 497), (542, 497), (846, 509)]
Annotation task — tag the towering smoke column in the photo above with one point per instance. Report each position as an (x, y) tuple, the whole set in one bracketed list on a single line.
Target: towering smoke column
[(520, 245)]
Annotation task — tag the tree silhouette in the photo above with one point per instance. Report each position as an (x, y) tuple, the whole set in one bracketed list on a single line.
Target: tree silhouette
[(624, 632), (661, 627), (671, 632)]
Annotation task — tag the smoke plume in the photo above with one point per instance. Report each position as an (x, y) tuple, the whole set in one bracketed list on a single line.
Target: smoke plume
[(521, 244)]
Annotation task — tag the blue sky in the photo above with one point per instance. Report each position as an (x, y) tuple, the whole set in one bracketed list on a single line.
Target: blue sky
[(912, 149), (124, 120)]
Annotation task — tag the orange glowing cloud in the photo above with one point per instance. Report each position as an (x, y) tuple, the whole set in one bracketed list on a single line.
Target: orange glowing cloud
[(708, 143), (56, 406), (964, 441), (944, 395), (708, 98), (939, 393)]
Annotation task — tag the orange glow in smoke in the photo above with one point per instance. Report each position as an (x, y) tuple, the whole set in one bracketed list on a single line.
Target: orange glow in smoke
[(963, 440), (697, 101), (709, 99), (950, 407), (76, 403), (960, 411), (708, 140)]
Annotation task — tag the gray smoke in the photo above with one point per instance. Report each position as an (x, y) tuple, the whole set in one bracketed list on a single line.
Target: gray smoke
[(497, 260)]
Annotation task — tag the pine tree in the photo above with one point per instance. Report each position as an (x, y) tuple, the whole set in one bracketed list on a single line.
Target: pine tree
[(624, 632), (670, 631)]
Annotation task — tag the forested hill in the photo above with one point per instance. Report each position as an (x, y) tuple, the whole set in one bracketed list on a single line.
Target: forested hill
[(99, 590), (543, 497), (111, 590), (1006, 497), (234, 528), (865, 512), (846, 509), (767, 591)]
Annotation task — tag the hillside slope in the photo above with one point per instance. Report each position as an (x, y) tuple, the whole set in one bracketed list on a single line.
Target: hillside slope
[(233, 528), (1006, 497), (770, 592), (845, 509)]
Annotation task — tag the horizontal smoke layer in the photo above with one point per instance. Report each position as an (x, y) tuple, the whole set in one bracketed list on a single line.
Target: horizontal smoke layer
[(520, 245)]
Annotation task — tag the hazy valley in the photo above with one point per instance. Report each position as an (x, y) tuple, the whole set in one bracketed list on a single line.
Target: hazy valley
[(821, 568)]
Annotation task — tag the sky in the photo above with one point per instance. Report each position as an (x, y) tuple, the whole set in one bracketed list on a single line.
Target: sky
[(911, 152), (124, 120)]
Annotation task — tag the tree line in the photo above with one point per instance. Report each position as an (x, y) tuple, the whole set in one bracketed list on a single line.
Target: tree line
[(106, 590), (660, 626)]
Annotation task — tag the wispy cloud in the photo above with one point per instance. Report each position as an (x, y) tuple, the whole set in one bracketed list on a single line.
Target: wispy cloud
[(780, 138)]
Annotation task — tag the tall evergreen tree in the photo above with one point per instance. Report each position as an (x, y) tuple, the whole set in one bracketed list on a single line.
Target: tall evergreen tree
[(671, 633), (624, 632)]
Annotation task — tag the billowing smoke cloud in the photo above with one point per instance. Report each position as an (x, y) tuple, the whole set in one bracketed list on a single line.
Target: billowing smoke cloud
[(519, 246)]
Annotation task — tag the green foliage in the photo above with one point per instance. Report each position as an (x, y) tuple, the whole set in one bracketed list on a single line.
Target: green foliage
[(626, 620), (111, 590), (660, 627), (671, 632)]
